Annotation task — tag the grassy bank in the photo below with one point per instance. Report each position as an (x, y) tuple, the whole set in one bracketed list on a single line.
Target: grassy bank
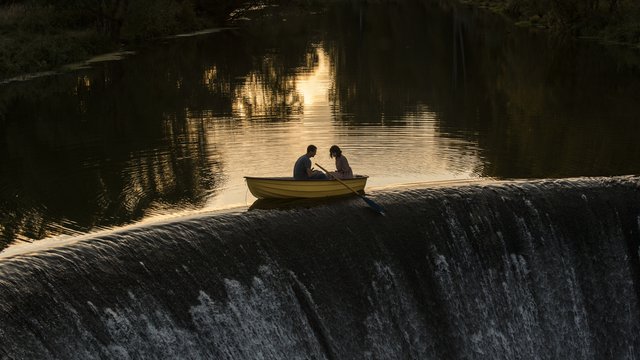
[(612, 21), (40, 35)]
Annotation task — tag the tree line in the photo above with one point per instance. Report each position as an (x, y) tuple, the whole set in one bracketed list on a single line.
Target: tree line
[(38, 35), (610, 20)]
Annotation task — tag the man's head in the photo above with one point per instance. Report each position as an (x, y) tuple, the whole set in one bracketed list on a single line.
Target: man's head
[(311, 150)]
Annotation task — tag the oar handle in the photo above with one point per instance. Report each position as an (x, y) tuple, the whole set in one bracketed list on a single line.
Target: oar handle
[(341, 182), (323, 169)]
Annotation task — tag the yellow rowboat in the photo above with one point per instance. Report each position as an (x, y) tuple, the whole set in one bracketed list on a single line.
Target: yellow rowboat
[(288, 188)]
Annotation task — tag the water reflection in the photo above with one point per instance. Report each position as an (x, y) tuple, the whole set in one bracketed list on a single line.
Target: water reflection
[(410, 92)]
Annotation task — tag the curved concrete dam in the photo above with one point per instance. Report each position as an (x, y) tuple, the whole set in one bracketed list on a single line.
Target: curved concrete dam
[(544, 269)]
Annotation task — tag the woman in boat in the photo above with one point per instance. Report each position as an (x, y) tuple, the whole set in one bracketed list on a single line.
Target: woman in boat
[(343, 170)]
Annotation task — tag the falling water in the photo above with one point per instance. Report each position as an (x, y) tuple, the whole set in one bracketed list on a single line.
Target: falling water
[(543, 269)]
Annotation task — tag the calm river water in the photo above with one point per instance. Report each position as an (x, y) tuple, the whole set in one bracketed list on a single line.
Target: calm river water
[(411, 93)]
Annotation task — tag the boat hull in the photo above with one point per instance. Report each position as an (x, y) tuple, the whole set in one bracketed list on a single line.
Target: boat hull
[(288, 188)]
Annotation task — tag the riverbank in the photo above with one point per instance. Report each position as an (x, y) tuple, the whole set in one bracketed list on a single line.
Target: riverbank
[(605, 21), (43, 35)]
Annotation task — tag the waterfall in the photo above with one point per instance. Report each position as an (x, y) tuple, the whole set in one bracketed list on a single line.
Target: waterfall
[(542, 269)]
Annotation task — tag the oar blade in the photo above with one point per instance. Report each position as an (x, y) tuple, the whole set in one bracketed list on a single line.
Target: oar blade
[(371, 203), (379, 209)]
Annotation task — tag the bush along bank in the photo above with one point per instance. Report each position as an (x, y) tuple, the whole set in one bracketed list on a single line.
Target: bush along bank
[(41, 35), (613, 21)]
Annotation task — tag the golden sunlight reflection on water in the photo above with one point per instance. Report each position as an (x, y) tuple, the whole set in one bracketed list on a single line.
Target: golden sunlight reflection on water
[(401, 150), (174, 129), (190, 160)]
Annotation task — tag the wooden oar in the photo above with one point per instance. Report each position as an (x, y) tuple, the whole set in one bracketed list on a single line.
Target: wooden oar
[(370, 202)]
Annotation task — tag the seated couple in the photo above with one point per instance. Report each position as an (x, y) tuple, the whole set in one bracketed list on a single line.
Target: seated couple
[(302, 169)]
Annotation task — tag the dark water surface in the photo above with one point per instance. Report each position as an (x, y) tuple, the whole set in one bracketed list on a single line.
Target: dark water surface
[(411, 93)]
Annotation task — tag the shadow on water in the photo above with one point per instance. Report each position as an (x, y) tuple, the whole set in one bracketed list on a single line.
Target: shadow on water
[(291, 204)]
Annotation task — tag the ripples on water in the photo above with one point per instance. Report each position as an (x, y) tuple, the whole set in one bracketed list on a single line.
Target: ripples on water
[(175, 127)]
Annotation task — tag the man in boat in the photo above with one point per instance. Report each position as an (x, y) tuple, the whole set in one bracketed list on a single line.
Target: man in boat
[(302, 169)]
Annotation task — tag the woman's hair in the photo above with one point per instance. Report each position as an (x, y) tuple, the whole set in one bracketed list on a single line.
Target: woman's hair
[(335, 149)]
